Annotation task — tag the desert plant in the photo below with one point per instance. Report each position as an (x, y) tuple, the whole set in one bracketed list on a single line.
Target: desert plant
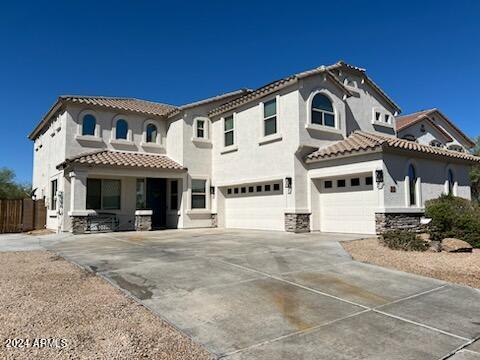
[(403, 240), (454, 217)]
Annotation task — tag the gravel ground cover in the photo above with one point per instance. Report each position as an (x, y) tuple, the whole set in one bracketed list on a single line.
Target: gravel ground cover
[(460, 268), (42, 296)]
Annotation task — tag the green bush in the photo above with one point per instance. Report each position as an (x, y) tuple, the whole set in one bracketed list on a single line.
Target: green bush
[(454, 217), (403, 240)]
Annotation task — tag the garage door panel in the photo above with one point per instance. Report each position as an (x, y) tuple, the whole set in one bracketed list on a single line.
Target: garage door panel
[(255, 212), (348, 209)]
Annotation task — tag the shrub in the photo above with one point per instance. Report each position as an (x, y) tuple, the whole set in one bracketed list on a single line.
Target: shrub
[(454, 217), (403, 240)]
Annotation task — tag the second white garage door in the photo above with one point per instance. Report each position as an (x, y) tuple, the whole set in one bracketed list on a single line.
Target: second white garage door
[(348, 205), (257, 207)]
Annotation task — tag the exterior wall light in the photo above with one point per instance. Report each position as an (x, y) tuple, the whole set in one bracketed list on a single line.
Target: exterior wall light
[(212, 190), (379, 176), (288, 182)]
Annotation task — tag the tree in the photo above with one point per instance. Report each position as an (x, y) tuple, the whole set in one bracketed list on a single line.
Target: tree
[(475, 172), (9, 188)]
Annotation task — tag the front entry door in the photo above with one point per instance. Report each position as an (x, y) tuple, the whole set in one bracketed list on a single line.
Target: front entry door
[(157, 201)]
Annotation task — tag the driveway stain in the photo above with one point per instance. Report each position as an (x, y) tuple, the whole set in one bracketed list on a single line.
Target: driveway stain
[(140, 291), (343, 287), (287, 302)]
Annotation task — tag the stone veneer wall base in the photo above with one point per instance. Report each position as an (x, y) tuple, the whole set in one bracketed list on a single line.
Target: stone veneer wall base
[(143, 222), (297, 223), (397, 221)]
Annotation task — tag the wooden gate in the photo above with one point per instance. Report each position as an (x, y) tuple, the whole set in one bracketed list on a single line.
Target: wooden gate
[(10, 216), (22, 215)]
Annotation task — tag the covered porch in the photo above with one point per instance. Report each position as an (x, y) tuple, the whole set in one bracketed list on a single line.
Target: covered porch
[(120, 191)]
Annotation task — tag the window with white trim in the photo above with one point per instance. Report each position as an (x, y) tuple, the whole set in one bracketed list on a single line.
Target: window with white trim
[(103, 194), (455, 147), (89, 124), (270, 117), (121, 129), (436, 143), (322, 111), (229, 127), (200, 124), (199, 194), (151, 133)]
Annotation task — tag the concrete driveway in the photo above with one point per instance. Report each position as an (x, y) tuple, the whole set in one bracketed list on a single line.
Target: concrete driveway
[(272, 295)]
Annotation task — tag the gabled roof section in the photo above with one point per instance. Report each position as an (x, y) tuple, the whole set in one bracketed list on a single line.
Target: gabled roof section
[(405, 121), (236, 93), (360, 142), (363, 74), (277, 85), (123, 159), (116, 103)]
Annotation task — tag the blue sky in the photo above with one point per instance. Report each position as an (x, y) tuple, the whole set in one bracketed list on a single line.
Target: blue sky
[(422, 53)]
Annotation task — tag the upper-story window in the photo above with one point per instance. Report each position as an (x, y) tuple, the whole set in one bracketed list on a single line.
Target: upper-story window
[(200, 128), (386, 118), (228, 127), (121, 129), (88, 125), (409, 137), (455, 148), (151, 133), (322, 111), (270, 117), (436, 143)]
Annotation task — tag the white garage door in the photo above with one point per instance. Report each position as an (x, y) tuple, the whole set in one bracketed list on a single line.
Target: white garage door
[(348, 205), (257, 206)]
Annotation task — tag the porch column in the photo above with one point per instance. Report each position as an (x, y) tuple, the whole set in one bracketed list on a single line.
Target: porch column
[(78, 201)]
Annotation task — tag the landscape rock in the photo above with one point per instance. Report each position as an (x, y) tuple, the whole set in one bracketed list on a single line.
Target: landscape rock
[(424, 237), (455, 245), (434, 246)]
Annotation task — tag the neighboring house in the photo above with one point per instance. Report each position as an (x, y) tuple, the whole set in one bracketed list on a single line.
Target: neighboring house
[(431, 127), (315, 151)]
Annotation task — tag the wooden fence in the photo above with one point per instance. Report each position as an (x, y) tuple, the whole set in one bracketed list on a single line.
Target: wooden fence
[(22, 215)]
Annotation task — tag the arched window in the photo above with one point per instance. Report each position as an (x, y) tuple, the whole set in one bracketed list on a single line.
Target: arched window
[(436, 143), (409, 137), (88, 125), (450, 182), (322, 111), (455, 147), (151, 133), (412, 182), (121, 129)]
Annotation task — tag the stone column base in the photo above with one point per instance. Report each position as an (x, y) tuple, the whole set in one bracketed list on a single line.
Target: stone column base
[(214, 220), (79, 224), (397, 221), (297, 223), (143, 220)]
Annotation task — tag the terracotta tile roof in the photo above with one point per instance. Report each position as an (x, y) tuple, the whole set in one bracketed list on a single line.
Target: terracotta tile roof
[(124, 159), (279, 84), (360, 141), (403, 122), (119, 103), (116, 103)]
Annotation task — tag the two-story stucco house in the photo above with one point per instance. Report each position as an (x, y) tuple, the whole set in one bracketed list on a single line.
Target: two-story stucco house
[(315, 151)]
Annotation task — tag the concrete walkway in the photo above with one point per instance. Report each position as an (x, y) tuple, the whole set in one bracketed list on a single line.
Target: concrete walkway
[(273, 295)]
